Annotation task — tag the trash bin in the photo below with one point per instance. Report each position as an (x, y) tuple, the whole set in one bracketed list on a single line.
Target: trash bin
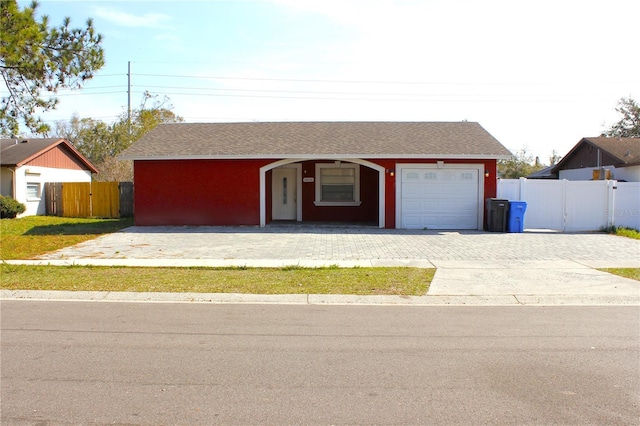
[(516, 216), (497, 211)]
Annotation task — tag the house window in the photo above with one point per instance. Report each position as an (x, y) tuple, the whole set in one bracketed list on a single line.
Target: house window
[(412, 176), (337, 184), (33, 191), (431, 176), (284, 191)]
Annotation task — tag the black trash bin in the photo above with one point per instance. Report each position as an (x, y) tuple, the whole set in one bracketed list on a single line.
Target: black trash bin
[(497, 214)]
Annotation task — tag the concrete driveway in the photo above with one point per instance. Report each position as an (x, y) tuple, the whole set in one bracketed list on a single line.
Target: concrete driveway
[(530, 264)]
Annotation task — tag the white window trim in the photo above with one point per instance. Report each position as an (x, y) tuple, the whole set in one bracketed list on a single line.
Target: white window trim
[(356, 189), (39, 186)]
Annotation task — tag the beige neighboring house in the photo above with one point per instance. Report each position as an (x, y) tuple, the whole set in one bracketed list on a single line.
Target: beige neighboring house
[(27, 164)]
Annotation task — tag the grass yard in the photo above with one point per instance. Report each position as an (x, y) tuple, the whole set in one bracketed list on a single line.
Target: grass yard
[(292, 280), (633, 273), (31, 236)]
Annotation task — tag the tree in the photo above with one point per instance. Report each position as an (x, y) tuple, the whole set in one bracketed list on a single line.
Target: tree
[(520, 165), (554, 158), (101, 143), (629, 124), (36, 58)]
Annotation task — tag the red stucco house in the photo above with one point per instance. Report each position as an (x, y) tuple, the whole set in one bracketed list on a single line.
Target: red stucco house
[(414, 175)]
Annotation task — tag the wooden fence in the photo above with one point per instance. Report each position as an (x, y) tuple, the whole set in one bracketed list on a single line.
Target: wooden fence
[(89, 199)]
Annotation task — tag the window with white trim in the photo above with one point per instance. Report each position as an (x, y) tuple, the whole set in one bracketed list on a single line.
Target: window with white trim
[(337, 184), (33, 190)]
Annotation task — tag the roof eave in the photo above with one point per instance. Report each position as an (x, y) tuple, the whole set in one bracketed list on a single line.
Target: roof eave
[(317, 156)]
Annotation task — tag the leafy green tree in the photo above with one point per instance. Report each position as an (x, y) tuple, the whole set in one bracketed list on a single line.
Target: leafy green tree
[(629, 124), (522, 164), (36, 58), (101, 143)]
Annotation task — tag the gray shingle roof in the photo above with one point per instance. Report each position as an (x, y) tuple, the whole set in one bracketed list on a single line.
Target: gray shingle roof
[(317, 139)]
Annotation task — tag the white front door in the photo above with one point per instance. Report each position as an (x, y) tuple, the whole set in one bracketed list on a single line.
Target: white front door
[(284, 194)]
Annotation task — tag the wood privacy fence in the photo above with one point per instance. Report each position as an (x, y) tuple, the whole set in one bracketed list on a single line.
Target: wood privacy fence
[(89, 199)]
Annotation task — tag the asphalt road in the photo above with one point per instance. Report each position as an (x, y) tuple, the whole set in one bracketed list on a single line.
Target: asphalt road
[(163, 363)]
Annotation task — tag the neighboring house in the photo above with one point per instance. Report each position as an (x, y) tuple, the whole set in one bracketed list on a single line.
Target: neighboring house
[(389, 174), (546, 173), (27, 164), (611, 158)]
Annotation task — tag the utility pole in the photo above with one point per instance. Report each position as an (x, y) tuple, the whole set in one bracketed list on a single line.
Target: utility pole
[(129, 97)]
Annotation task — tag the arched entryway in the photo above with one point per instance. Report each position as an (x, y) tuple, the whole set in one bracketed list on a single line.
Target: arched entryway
[(285, 174)]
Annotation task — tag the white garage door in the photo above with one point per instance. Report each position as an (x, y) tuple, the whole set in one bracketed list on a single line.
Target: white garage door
[(439, 198)]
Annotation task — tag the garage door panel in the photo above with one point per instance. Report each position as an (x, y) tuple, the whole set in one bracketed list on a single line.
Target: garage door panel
[(439, 199)]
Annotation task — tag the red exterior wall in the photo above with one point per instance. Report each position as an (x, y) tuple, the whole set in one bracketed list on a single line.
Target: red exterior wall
[(227, 192), (197, 192)]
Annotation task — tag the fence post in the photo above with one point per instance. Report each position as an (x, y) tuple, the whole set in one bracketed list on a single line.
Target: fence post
[(611, 203), (564, 205), (523, 184)]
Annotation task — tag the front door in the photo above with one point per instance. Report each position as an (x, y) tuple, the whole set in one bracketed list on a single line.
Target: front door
[(284, 191)]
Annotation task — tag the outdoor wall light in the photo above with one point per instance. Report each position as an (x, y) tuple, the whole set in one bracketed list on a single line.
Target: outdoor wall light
[(391, 172), (486, 173)]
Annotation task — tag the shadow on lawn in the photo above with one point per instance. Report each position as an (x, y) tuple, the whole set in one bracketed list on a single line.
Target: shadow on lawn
[(93, 228)]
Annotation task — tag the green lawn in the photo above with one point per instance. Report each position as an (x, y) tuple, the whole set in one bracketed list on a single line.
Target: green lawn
[(31, 236), (633, 273), (360, 281)]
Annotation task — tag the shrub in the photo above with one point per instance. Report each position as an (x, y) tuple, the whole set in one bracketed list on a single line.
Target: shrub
[(10, 208), (622, 231)]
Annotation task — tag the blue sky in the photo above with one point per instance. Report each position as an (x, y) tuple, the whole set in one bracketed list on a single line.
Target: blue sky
[(540, 74)]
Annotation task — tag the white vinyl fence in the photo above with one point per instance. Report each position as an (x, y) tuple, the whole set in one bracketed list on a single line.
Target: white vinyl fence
[(575, 205)]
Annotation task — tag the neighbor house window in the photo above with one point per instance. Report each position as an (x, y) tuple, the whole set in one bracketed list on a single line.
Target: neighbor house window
[(337, 184), (33, 190)]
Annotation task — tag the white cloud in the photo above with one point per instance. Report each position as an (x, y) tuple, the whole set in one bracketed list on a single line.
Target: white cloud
[(149, 20)]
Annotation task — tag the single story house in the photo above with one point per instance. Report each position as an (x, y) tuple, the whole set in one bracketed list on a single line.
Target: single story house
[(417, 175), (609, 158), (27, 164)]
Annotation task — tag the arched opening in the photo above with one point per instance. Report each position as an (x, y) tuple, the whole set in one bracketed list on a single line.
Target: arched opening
[(309, 186)]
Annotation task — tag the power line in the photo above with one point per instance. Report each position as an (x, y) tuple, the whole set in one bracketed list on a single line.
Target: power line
[(442, 83)]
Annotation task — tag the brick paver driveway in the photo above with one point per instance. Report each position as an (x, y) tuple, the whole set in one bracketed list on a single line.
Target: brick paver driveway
[(344, 244)]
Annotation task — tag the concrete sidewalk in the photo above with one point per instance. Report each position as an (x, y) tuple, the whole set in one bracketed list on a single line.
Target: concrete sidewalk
[(472, 267)]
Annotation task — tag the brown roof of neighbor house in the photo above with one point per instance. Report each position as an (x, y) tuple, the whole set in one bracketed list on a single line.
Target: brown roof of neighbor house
[(314, 139), (17, 152), (625, 150)]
